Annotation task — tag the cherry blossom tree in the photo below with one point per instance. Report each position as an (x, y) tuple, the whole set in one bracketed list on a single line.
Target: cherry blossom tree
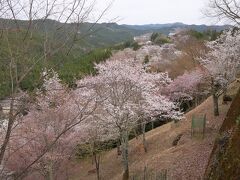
[(158, 55), (19, 57), (44, 140), (187, 87), (96, 131), (127, 93), (222, 63)]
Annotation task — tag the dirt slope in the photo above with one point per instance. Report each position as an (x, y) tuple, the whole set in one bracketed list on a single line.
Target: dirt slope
[(187, 160), (224, 162)]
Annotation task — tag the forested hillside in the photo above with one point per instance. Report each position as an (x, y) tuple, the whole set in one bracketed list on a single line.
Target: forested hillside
[(89, 43)]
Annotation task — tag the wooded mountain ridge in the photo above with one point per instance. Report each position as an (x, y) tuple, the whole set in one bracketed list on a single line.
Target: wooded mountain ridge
[(95, 35)]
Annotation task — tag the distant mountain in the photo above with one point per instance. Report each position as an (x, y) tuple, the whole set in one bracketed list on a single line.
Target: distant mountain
[(103, 34), (106, 34), (166, 28), (154, 26)]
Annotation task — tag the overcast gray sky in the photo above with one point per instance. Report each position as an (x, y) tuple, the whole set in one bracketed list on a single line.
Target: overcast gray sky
[(156, 11)]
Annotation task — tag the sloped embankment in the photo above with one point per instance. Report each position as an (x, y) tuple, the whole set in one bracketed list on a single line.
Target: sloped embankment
[(188, 160), (224, 162)]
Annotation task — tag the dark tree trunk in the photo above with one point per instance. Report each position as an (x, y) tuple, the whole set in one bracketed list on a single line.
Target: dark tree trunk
[(224, 96), (126, 175), (135, 133), (119, 147), (97, 164), (215, 89), (215, 105), (8, 133), (196, 101), (144, 137), (145, 173), (50, 171), (124, 144)]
